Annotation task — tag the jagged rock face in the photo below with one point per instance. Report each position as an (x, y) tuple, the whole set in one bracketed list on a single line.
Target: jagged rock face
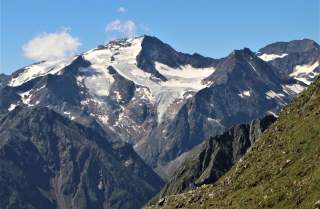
[(48, 161), (161, 101), (214, 157)]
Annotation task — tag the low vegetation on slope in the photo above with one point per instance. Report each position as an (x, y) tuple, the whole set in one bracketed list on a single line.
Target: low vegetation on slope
[(282, 169)]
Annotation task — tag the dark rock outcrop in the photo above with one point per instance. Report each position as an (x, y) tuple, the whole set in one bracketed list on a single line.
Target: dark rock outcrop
[(214, 157)]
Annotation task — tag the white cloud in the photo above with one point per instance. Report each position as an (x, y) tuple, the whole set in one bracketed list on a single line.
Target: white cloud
[(127, 28), (50, 46), (122, 10)]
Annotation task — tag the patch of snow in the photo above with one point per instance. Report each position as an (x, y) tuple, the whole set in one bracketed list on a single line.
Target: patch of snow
[(42, 87), (103, 118), (305, 73), (100, 185), (128, 163), (12, 107), (272, 113), (244, 94), (273, 94), (84, 102), (279, 97), (270, 57), (68, 114), (26, 97), (293, 89)]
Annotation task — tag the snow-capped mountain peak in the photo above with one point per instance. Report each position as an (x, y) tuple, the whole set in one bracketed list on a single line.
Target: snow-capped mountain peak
[(110, 81), (122, 55)]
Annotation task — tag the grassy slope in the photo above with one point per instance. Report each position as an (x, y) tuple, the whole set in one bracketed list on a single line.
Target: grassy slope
[(282, 170)]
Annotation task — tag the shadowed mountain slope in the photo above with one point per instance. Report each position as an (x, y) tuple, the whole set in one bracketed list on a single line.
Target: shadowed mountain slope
[(48, 161)]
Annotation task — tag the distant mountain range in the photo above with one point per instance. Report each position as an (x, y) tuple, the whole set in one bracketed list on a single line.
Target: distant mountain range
[(147, 97)]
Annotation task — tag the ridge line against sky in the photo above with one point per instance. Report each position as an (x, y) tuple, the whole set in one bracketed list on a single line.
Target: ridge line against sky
[(35, 30)]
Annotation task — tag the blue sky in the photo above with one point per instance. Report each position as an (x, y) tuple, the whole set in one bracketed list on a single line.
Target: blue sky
[(211, 28)]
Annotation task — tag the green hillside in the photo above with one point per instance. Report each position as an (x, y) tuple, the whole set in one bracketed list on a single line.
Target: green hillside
[(282, 169)]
